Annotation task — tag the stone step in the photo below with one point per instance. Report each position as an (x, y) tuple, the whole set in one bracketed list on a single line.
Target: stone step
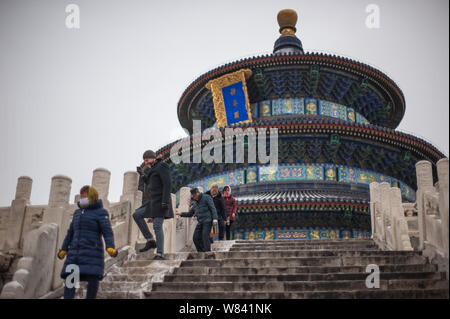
[(301, 241), (122, 285), (152, 263), (127, 277), (356, 294), (303, 261), (149, 270), (294, 286), (307, 241), (302, 247), (300, 253), (304, 242), (418, 283), (402, 268), (300, 277), (293, 269), (149, 255), (133, 294)]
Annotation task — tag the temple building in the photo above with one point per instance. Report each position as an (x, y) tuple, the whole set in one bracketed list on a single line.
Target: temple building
[(336, 121)]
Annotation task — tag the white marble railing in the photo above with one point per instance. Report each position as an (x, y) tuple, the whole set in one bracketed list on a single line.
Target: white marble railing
[(35, 233), (389, 225), (395, 224)]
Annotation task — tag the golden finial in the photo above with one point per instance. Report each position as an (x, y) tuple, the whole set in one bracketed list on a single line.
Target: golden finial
[(287, 19)]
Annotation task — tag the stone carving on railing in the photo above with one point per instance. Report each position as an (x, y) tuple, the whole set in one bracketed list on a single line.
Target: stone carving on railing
[(412, 220), (432, 206), (389, 224), (395, 225), (33, 277), (410, 209)]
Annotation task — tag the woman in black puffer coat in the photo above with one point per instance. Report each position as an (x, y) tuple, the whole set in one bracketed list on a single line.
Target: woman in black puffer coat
[(83, 243)]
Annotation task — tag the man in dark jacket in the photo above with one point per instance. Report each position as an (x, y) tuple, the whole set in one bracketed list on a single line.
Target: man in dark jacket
[(219, 203), (156, 176), (202, 207)]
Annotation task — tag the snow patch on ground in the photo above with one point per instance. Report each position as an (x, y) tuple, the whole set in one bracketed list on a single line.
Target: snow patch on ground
[(223, 245)]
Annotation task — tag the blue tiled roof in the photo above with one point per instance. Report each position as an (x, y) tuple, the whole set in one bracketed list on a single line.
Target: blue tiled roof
[(300, 196)]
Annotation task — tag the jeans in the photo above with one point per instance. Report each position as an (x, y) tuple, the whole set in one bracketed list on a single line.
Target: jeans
[(201, 237), (92, 287), (221, 229), (159, 232), (139, 216)]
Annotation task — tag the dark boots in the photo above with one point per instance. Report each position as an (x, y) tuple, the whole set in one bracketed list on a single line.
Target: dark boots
[(150, 244)]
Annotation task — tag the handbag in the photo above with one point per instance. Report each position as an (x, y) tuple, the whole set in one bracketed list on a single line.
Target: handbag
[(214, 231)]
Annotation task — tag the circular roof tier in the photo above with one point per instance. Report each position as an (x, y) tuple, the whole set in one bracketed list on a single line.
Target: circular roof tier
[(340, 80), (314, 124), (301, 192)]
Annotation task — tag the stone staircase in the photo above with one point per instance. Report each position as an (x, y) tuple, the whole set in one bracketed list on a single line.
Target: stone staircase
[(278, 269)]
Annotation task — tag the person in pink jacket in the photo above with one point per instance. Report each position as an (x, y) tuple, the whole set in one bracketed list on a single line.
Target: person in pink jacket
[(231, 207)]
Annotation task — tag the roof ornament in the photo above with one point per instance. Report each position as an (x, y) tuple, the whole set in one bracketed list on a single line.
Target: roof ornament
[(287, 43), (287, 19)]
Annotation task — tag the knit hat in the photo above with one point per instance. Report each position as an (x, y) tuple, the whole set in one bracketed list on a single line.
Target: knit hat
[(194, 191), (149, 154)]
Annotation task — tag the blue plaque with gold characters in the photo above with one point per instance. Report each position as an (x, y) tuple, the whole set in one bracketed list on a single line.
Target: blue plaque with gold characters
[(230, 98)]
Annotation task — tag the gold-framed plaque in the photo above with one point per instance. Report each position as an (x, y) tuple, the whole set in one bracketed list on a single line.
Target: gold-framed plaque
[(230, 98)]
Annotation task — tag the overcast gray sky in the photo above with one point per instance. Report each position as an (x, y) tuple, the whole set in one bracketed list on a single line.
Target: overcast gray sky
[(72, 100)]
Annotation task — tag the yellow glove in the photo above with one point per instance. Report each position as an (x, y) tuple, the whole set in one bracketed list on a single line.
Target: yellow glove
[(112, 252), (62, 254)]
